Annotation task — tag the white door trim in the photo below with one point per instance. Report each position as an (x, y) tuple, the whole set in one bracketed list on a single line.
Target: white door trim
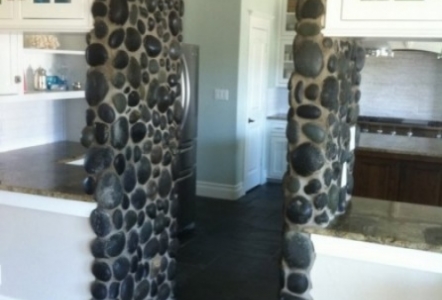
[(262, 21)]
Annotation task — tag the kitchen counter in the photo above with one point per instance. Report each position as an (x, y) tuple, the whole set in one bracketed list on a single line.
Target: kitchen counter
[(388, 223), (42, 170), (418, 147)]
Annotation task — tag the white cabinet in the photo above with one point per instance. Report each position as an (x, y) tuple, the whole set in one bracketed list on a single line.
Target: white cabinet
[(287, 26), (277, 150), (46, 15), (53, 9), (285, 65), (392, 10), (288, 17), (384, 18), (6, 10), (10, 77)]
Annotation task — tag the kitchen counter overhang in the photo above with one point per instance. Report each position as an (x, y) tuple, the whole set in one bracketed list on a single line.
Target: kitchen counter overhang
[(43, 171)]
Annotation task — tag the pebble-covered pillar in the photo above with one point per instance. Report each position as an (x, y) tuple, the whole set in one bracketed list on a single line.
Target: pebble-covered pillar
[(132, 133), (322, 105), (350, 76)]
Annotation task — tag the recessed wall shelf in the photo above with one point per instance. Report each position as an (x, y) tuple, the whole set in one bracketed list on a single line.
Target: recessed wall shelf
[(51, 51), (43, 96)]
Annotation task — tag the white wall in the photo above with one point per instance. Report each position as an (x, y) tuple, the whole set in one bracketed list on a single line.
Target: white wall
[(406, 86), (214, 25), (44, 255)]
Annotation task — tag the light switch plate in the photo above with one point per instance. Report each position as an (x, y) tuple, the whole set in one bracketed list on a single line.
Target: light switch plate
[(221, 94)]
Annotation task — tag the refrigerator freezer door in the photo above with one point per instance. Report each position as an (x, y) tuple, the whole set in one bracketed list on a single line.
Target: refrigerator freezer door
[(189, 90)]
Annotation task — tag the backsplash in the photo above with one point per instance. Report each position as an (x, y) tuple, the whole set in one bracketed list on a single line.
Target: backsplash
[(26, 124), (407, 86)]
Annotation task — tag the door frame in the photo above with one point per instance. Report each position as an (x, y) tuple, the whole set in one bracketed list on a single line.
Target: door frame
[(262, 21)]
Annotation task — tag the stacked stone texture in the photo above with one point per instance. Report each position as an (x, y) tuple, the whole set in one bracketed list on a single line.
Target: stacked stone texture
[(322, 103), (132, 133)]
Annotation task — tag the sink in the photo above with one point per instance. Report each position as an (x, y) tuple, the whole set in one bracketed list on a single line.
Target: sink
[(78, 162)]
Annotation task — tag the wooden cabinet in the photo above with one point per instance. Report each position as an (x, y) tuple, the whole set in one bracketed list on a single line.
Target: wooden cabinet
[(6, 10), (392, 10), (286, 65), (10, 77), (287, 26), (46, 15), (420, 183), (376, 178), (288, 17), (53, 9), (398, 177), (386, 18), (277, 151)]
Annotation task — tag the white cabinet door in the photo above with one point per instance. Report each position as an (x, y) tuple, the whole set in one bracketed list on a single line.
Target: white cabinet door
[(277, 151), (286, 65), (392, 10), (6, 9), (288, 17), (53, 9), (384, 18), (278, 157), (9, 64)]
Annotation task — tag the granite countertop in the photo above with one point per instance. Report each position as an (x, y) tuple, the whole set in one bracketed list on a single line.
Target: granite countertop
[(41, 170), (416, 146), (389, 223)]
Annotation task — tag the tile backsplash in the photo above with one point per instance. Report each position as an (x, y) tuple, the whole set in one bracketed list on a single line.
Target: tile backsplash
[(26, 124), (406, 86)]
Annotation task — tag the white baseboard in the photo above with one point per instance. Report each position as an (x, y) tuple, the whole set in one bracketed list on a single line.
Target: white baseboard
[(219, 191)]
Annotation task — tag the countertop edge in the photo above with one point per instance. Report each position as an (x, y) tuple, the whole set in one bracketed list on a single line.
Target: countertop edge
[(46, 193), (72, 208), (358, 237)]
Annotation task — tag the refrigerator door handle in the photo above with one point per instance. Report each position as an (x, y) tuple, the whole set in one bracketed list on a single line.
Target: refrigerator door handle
[(185, 177)]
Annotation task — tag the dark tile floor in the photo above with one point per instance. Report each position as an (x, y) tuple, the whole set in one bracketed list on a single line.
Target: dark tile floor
[(233, 254)]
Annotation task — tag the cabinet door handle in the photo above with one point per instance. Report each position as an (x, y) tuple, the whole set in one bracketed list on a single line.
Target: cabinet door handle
[(17, 79), (251, 121)]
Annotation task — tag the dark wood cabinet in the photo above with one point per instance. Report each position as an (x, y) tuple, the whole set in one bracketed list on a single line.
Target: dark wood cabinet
[(376, 178), (396, 177), (420, 183)]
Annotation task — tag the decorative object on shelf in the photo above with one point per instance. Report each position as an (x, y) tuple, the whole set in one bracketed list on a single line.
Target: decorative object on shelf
[(134, 56), (40, 79), (323, 104), (55, 83), (42, 42), (76, 86)]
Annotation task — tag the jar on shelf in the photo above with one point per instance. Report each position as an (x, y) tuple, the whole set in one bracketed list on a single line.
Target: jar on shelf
[(40, 79)]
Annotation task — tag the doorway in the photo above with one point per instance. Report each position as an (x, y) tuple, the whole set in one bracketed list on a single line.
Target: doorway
[(258, 69)]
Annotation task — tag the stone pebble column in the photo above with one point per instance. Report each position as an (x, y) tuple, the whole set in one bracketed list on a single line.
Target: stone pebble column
[(132, 133), (350, 75), (312, 183)]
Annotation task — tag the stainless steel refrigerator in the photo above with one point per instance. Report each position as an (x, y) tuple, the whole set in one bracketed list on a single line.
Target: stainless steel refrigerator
[(186, 163)]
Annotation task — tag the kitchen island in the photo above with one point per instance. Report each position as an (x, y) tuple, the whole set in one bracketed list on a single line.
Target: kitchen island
[(44, 218), (44, 224)]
